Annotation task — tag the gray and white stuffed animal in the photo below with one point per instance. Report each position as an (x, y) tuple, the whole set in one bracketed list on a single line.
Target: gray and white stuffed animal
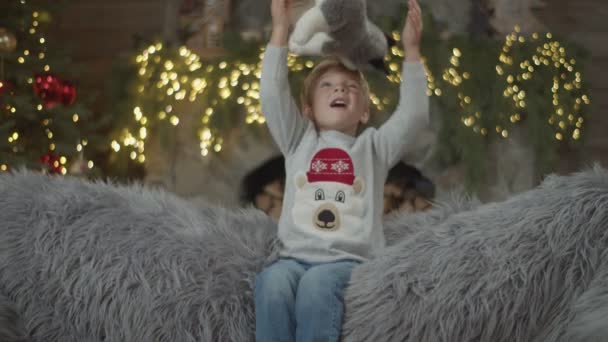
[(338, 28)]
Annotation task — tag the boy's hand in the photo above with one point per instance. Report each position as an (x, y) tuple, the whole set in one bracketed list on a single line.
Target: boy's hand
[(280, 11), (412, 32)]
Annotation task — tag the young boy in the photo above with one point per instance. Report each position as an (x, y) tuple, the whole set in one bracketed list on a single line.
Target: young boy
[(333, 200)]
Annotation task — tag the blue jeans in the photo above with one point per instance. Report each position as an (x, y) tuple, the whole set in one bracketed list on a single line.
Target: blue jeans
[(298, 301)]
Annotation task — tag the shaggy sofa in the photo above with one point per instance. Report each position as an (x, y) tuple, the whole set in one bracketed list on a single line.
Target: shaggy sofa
[(94, 261)]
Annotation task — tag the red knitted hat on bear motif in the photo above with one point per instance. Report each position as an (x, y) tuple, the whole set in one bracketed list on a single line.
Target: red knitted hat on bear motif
[(331, 165)]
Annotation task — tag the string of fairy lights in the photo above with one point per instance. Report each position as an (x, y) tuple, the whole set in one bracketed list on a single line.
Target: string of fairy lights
[(183, 77), (566, 121), (394, 59), (235, 81), (37, 54)]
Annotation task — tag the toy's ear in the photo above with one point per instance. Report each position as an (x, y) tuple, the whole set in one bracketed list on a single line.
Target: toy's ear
[(358, 186), (300, 180), (379, 64)]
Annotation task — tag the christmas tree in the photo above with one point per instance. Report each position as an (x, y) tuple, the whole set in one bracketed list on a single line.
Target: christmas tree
[(44, 122)]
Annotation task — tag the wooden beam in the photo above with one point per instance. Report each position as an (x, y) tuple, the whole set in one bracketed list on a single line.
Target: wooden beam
[(127, 15)]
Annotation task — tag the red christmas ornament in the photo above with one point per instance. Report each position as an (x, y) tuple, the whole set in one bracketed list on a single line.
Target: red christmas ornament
[(48, 88), (6, 87), (53, 90), (68, 93), (51, 160)]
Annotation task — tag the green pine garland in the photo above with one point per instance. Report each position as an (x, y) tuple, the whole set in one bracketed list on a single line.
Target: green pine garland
[(478, 83)]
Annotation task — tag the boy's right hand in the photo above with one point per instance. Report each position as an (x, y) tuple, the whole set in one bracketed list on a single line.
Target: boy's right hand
[(280, 11), (412, 32)]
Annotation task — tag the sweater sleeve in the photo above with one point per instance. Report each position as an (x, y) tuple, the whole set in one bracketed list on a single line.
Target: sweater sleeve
[(283, 117), (399, 132)]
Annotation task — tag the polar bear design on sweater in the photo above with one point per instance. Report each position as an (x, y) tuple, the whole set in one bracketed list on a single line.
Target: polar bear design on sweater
[(329, 196)]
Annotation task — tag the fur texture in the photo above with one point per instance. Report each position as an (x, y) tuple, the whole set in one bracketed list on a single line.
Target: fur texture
[(95, 262), (84, 261), (11, 327), (533, 268), (399, 226), (340, 28)]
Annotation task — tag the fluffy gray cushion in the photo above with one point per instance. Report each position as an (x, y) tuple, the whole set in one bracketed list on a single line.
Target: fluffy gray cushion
[(11, 326), (533, 268), (86, 261), (92, 262)]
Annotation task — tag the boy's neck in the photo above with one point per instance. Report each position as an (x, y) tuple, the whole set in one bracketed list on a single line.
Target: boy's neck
[(338, 132), (350, 132)]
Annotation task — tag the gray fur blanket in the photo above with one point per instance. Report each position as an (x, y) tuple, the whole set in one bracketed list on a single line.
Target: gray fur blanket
[(82, 261)]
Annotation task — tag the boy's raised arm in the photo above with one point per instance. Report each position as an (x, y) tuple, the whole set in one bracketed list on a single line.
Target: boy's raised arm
[(398, 133), (283, 117)]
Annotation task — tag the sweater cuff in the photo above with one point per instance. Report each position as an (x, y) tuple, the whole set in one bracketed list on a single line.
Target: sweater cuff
[(413, 70)]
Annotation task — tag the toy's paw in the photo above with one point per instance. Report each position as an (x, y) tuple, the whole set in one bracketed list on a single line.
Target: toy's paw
[(297, 39), (314, 47), (348, 63), (296, 48)]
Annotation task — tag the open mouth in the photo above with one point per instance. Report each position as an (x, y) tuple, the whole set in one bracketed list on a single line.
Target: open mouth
[(338, 103)]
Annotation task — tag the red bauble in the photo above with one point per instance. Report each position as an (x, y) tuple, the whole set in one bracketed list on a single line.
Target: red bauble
[(51, 160), (48, 88), (53, 90), (68, 93), (6, 87)]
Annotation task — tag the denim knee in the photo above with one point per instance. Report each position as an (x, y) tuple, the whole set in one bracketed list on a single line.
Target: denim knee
[(320, 301), (278, 282), (321, 285)]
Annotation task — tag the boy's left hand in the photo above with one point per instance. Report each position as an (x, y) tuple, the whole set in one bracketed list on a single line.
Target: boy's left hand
[(412, 32)]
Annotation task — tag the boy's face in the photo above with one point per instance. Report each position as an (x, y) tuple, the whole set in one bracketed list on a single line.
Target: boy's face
[(339, 102)]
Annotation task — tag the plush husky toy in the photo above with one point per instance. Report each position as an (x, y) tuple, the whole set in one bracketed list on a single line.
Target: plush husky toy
[(339, 28)]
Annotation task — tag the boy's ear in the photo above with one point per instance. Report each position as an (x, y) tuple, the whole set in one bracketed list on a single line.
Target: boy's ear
[(307, 112), (365, 117), (300, 180)]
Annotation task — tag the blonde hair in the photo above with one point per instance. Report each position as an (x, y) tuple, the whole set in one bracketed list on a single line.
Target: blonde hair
[(323, 67)]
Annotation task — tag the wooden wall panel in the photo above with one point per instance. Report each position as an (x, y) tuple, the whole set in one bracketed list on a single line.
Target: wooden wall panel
[(101, 31)]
